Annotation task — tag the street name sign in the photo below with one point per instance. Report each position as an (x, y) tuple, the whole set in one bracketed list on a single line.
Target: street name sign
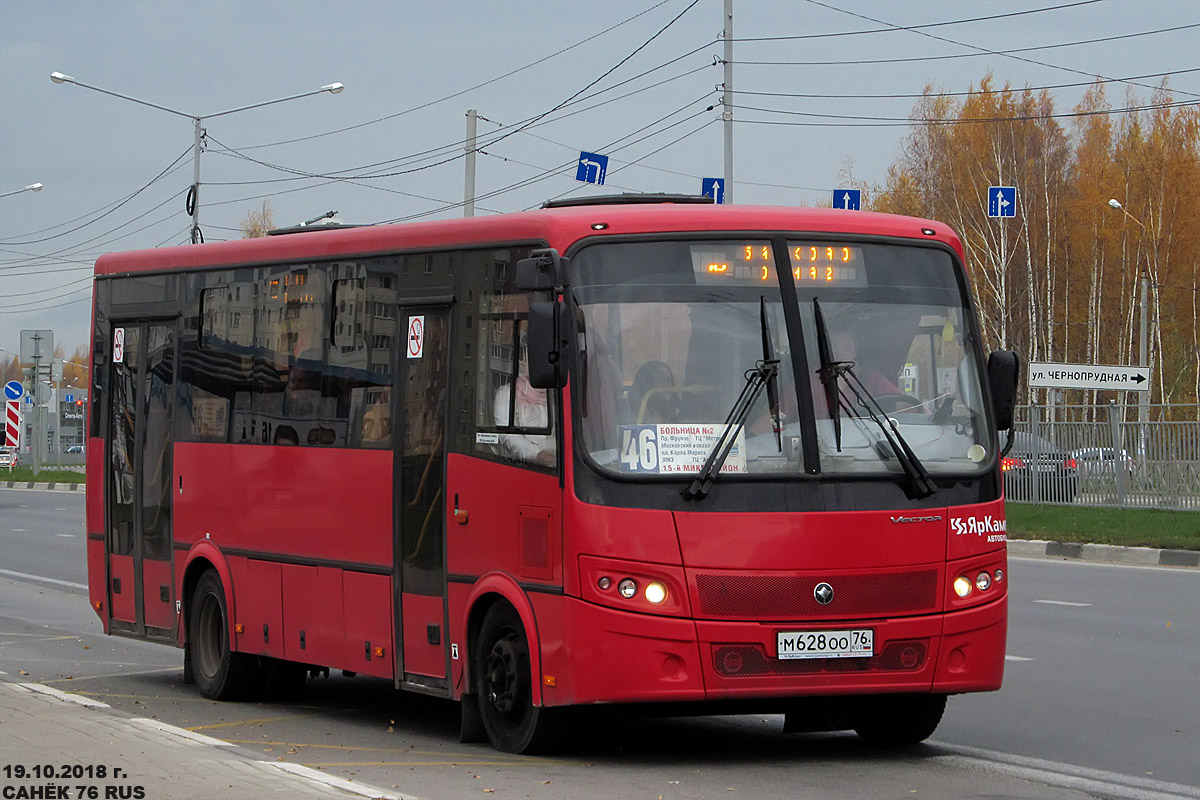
[(1089, 376)]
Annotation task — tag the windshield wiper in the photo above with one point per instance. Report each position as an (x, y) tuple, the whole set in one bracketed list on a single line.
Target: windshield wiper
[(829, 372), (763, 374), (773, 378), (922, 484)]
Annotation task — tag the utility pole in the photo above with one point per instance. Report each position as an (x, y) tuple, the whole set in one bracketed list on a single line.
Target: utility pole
[(727, 101), (469, 189)]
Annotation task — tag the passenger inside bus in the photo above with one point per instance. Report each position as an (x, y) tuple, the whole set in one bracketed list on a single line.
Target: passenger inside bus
[(652, 397)]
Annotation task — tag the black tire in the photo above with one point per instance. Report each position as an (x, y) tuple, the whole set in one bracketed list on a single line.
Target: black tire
[(504, 685), (899, 720), (220, 673)]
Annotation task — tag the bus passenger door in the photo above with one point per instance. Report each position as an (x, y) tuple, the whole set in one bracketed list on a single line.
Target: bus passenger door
[(420, 495), (138, 484)]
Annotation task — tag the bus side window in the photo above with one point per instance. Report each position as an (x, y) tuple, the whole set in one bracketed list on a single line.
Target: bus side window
[(514, 420)]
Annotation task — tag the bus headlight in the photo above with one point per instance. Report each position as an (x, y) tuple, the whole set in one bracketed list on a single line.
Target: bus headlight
[(962, 586), (656, 593), (627, 588), (983, 581)]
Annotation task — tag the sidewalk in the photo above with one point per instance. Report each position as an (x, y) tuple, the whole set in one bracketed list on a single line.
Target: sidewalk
[(85, 745)]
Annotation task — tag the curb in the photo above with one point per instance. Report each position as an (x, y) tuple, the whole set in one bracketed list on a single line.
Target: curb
[(58, 487), (1106, 553)]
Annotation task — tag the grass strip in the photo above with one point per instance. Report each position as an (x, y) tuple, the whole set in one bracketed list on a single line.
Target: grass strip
[(1131, 527)]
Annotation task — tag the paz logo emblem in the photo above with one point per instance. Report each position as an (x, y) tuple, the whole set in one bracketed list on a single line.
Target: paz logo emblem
[(823, 593)]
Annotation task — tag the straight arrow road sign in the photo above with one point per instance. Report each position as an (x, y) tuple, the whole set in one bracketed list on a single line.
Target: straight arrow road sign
[(1089, 376)]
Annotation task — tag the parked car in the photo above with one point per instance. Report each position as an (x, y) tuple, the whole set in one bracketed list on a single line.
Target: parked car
[(8, 458), (1035, 463), (1103, 461)]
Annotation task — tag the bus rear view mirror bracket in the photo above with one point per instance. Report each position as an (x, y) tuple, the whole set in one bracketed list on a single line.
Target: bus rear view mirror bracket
[(544, 269), (1004, 371), (544, 341)]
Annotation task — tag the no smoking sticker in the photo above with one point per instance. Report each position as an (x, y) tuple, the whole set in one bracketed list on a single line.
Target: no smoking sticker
[(416, 336)]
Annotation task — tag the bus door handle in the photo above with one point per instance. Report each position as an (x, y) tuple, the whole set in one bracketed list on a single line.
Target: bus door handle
[(460, 514)]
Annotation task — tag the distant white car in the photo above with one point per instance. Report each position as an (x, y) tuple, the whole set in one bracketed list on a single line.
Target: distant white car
[(1103, 461), (8, 458)]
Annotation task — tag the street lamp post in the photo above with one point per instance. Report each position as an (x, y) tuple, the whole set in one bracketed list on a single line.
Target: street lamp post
[(33, 187), (193, 198), (1143, 343)]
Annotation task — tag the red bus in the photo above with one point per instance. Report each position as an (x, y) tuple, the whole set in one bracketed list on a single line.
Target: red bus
[(637, 450)]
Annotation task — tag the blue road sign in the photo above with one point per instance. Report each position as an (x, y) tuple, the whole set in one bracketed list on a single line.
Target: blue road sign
[(592, 168), (846, 199), (714, 188), (13, 390), (70, 398), (1002, 201)]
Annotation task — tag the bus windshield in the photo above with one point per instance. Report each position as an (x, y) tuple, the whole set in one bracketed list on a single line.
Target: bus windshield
[(670, 332)]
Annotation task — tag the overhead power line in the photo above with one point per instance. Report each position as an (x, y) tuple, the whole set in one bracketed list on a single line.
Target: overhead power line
[(462, 92), (893, 29), (967, 93), (897, 121), (983, 50)]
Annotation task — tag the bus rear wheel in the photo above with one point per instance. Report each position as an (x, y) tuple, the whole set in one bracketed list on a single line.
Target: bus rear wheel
[(504, 685), (220, 673), (899, 720)]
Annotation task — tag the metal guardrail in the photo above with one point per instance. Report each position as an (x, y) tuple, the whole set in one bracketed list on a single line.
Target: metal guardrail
[(1102, 456)]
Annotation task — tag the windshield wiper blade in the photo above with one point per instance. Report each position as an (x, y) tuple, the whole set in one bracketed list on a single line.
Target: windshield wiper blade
[(829, 372), (758, 377), (922, 484), (773, 378)]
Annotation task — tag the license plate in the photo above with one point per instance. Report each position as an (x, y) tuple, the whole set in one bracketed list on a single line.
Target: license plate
[(859, 643)]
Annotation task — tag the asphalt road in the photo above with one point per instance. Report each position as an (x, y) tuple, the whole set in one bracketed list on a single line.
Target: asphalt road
[(1101, 698)]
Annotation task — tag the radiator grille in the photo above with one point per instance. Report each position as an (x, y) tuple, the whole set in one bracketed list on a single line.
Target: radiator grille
[(791, 596), (749, 661)]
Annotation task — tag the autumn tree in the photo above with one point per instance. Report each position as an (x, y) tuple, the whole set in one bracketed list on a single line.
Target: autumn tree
[(257, 222), (1061, 281)]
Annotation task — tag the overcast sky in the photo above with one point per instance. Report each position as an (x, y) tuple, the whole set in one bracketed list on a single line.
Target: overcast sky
[(637, 78)]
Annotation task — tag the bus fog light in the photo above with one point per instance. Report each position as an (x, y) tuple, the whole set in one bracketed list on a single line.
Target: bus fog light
[(999, 576), (983, 581), (962, 586), (656, 593), (604, 583), (627, 588)]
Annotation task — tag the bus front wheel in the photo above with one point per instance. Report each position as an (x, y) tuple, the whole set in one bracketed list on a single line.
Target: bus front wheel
[(504, 685), (899, 720), (220, 673)]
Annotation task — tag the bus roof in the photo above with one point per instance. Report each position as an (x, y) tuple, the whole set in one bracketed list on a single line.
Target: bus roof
[(559, 228)]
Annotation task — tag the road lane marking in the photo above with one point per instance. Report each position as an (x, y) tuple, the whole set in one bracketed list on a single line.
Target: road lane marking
[(26, 576), (1017, 658), (1063, 603)]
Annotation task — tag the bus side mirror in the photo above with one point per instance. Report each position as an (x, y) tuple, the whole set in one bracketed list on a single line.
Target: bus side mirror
[(545, 269), (1004, 371), (545, 345)]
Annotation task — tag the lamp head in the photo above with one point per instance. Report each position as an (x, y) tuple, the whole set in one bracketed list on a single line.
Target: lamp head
[(58, 77), (34, 187), (1115, 203), (333, 88)]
